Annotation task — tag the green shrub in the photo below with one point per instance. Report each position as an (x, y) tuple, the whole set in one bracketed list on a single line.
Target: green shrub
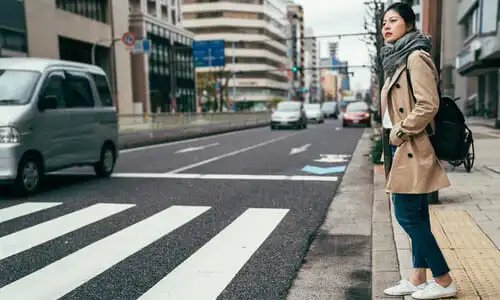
[(377, 149)]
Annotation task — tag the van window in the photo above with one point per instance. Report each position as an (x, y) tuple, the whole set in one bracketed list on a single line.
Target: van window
[(54, 88), (77, 92), (16, 87), (103, 90)]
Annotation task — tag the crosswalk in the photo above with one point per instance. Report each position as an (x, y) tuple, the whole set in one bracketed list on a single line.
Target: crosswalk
[(210, 269)]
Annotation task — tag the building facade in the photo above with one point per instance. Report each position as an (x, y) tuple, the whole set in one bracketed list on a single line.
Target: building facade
[(67, 30), (312, 71), (295, 14), (13, 39), (255, 35), (453, 85), (479, 55), (164, 79)]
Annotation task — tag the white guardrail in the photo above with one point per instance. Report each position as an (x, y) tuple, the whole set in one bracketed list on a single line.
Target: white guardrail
[(154, 122)]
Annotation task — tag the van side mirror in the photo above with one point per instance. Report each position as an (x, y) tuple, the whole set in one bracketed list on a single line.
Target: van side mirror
[(47, 102)]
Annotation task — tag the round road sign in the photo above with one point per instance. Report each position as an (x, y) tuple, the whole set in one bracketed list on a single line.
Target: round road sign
[(129, 38)]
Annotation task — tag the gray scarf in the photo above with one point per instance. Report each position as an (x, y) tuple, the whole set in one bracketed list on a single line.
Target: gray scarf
[(394, 55)]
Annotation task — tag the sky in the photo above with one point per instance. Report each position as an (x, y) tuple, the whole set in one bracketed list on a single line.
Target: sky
[(336, 17)]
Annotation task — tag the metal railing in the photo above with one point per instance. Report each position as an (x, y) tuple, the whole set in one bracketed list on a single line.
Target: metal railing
[(164, 121)]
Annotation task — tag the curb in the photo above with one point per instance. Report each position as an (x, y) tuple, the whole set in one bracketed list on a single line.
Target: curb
[(385, 259), (337, 263), (148, 138)]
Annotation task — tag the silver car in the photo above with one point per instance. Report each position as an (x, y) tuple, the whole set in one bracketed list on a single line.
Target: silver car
[(314, 113), (289, 114), (54, 115)]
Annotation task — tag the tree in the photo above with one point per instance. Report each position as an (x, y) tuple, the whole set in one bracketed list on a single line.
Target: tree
[(373, 22)]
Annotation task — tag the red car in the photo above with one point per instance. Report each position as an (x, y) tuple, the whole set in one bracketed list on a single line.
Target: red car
[(357, 113)]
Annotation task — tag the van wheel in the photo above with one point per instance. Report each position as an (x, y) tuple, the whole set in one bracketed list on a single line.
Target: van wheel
[(29, 176), (106, 165)]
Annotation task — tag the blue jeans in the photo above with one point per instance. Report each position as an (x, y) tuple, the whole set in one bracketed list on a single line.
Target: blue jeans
[(412, 213)]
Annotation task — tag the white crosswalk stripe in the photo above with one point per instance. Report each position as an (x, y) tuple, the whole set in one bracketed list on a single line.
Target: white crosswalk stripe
[(211, 268)]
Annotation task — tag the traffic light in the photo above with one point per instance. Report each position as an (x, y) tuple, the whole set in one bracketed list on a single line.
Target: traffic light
[(294, 69)]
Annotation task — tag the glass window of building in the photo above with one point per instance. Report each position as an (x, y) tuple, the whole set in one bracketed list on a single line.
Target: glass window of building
[(92, 9)]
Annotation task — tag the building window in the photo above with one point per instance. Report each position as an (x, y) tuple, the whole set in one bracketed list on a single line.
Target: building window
[(12, 40), (92, 9)]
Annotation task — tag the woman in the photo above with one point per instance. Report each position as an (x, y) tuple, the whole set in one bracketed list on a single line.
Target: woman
[(415, 170)]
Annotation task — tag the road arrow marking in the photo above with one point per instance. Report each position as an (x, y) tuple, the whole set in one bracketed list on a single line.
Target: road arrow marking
[(333, 158), (191, 149), (299, 149), (323, 171)]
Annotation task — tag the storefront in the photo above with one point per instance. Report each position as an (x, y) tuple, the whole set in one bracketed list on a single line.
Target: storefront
[(479, 60)]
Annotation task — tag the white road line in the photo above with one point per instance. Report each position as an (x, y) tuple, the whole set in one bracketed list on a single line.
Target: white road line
[(24, 209), (68, 273), (210, 269), (36, 235), (124, 151), (198, 148), (230, 154), (226, 176)]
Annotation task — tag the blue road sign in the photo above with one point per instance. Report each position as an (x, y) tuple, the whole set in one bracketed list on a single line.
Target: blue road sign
[(209, 53), (141, 47)]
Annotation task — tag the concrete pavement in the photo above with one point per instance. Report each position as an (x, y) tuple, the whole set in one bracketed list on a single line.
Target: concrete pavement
[(227, 217), (466, 224)]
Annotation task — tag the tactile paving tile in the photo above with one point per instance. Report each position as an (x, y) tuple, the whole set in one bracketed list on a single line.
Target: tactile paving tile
[(483, 267), (474, 251)]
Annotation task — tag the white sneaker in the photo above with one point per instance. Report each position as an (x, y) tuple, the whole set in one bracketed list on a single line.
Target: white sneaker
[(403, 288), (435, 291)]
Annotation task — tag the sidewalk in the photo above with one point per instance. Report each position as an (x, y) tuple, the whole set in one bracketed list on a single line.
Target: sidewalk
[(466, 224)]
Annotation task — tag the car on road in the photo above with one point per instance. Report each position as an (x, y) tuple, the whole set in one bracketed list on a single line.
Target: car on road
[(357, 113), (314, 113), (54, 115), (289, 114), (330, 109)]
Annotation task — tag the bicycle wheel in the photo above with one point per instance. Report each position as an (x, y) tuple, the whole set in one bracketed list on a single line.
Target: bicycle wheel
[(469, 158)]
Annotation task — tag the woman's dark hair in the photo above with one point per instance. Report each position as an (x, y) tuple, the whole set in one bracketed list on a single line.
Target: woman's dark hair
[(405, 11)]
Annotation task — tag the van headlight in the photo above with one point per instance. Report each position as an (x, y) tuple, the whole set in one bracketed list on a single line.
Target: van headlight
[(9, 135)]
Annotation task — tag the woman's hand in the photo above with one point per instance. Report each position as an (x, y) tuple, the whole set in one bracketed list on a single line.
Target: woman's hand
[(398, 136)]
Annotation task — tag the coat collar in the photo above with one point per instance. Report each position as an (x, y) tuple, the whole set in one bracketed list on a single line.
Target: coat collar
[(395, 77)]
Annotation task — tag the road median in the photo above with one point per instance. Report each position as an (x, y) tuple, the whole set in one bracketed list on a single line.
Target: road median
[(138, 131)]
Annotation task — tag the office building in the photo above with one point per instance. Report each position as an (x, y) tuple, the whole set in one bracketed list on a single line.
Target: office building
[(312, 71), (295, 14), (67, 30), (255, 34), (452, 84), (13, 40), (479, 55), (164, 79)]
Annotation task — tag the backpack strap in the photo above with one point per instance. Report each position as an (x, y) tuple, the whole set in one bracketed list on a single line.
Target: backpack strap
[(428, 128)]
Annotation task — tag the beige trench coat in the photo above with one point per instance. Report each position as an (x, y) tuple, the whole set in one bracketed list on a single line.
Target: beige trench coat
[(415, 168)]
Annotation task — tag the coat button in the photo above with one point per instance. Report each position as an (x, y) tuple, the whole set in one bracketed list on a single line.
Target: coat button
[(401, 110), (410, 155), (397, 85)]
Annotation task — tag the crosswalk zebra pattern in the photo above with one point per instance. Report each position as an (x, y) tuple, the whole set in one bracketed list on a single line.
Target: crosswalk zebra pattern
[(210, 269)]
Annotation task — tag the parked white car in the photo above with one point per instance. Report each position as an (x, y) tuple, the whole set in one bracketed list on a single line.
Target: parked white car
[(314, 113)]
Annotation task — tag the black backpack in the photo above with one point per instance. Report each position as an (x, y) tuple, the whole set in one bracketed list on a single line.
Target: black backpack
[(452, 137)]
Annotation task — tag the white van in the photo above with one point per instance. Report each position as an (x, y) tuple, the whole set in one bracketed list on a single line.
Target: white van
[(54, 115)]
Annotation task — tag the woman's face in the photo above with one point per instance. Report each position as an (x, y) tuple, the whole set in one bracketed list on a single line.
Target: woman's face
[(393, 26)]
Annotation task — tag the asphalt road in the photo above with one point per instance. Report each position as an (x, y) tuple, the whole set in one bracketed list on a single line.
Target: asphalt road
[(226, 217)]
